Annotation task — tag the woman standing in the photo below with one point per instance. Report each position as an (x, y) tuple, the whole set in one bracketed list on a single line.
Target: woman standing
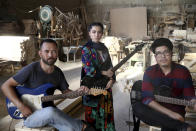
[(96, 63)]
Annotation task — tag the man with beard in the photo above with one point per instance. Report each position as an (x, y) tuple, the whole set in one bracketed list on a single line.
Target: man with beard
[(35, 75)]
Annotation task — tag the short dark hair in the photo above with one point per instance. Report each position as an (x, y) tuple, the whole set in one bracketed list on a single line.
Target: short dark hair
[(161, 42), (95, 24), (48, 41)]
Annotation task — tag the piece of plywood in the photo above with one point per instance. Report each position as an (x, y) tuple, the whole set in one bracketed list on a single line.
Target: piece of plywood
[(129, 22)]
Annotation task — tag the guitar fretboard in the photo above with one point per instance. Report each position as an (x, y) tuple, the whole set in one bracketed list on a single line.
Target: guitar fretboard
[(174, 101), (72, 94)]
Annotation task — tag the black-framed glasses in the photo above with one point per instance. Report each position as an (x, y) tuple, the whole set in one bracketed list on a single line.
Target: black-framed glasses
[(160, 54)]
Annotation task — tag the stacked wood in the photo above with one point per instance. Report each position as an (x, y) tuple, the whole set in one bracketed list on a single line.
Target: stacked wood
[(175, 18), (9, 28), (30, 27), (29, 51), (114, 44), (7, 66), (68, 26)]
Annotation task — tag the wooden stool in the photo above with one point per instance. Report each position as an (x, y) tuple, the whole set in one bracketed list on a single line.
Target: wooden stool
[(20, 127), (153, 128)]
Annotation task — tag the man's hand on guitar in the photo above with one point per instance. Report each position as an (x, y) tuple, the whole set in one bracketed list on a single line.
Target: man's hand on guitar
[(109, 73), (84, 89), (25, 110)]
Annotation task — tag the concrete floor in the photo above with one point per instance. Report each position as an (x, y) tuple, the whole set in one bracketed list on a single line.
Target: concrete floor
[(121, 97), (122, 108)]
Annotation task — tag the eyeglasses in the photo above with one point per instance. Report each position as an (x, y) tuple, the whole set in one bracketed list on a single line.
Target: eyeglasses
[(165, 53)]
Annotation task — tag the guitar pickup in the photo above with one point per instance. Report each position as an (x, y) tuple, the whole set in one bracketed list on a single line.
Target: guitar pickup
[(17, 113)]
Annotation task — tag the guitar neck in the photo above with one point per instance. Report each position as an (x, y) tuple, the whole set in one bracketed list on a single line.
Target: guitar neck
[(116, 67), (71, 95), (174, 101), (137, 48)]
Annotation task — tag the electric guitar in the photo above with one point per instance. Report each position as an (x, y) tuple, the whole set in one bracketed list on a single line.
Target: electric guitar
[(35, 97), (136, 95), (102, 82)]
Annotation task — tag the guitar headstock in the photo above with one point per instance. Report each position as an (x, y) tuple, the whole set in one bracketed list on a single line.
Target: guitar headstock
[(97, 91), (139, 47)]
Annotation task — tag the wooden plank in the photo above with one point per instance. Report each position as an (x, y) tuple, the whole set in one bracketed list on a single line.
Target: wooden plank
[(6, 62), (133, 22), (68, 105), (20, 127)]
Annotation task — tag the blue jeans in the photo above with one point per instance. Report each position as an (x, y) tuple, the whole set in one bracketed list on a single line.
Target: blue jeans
[(55, 118)]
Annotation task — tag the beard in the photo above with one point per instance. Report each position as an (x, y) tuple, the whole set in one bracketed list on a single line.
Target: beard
[(49, 61)]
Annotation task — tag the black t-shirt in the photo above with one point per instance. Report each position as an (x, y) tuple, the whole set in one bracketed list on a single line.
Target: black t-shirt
[(33, 76)]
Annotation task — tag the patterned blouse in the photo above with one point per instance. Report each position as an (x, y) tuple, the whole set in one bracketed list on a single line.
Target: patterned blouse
[(95, 58)]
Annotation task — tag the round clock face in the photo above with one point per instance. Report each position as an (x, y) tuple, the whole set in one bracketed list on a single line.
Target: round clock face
[(45, 14)]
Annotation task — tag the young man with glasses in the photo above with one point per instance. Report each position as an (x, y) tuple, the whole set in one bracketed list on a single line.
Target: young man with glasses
[(169, 79)]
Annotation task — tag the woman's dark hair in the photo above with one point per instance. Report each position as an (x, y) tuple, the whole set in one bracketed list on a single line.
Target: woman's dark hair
[(95, 24), (161, 42), (48, 41)]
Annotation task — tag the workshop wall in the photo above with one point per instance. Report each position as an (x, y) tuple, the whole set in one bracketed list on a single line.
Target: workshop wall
[(98, 10)]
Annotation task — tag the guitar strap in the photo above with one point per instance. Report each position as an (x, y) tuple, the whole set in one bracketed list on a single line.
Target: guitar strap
[(93, 62), (89, 100), (83, 74), (100, 66)]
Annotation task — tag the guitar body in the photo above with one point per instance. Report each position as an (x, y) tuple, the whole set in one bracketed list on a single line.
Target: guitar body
[(136, 95), (92, 82), (37, 98), (30, 96), (136, 92)]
